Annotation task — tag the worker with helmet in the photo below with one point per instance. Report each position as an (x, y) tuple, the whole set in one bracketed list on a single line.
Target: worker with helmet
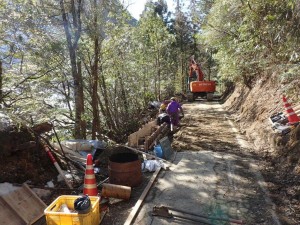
[(163, 106), (173, 109)]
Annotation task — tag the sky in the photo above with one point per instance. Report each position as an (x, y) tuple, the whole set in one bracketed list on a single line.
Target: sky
[(136, 7)]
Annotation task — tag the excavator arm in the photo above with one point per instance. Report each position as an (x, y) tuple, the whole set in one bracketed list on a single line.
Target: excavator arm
[(196, 69)]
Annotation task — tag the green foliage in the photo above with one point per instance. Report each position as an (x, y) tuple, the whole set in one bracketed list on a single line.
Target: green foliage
[(153, 51), (252, 35), (138, 61), (290, 81)]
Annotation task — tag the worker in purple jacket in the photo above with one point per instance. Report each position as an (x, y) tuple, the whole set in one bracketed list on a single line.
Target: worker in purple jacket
[(173, 109)]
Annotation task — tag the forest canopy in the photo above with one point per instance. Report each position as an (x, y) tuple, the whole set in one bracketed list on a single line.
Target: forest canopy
[(91, 69)]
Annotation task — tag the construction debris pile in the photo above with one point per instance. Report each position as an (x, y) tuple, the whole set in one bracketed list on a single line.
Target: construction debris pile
[(74, 167), (23, 157), (283, 123), (287, 142)]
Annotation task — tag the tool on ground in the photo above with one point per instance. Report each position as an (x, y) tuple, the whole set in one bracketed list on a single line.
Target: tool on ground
[(102, 182), (164, 211), (63, 152), (47, 149), (171, 126)]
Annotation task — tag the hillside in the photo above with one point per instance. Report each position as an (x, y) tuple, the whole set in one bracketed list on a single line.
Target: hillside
[(251, 109)]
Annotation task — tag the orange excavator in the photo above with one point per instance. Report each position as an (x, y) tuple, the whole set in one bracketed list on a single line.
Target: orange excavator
[(197, 86)]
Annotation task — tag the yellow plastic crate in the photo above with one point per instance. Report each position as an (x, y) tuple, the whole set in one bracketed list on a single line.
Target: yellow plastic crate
[(55, 217)]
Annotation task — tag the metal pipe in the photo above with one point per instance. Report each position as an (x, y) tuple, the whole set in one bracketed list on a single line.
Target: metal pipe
[(207, 217), (102, 182), (193, 219)]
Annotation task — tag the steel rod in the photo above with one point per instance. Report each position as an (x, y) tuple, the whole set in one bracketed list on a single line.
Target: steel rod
[(207, 217), (193, 219)]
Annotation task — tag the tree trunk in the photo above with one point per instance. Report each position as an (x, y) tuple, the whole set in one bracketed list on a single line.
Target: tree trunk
[(144, 85), (1, 92), (66, 93), (96, 38), (81, 103), (107, 112), (155, 82), (182, 73), (125, 112), (124, 96), (158, 76), (79, 133), (95, 81)]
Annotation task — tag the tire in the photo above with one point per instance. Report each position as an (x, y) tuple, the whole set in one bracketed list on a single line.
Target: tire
[(210, 96), (190, 97)]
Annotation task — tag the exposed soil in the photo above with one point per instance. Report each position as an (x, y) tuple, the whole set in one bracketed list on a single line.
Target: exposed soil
[(22, 159), (251, 109), (118, 209)]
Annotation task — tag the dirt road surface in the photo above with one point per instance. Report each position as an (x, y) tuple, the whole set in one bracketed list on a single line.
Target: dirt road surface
[(214, 174)]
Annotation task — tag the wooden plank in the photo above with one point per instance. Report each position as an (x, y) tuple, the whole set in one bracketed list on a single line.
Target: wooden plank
[(162, 133), (8, 215), (144, 131), (103, 213), (40, 221), (26, 204), (38, 203), (10, 202), (146, 144), (132, 139), (150, 142), (35, 196), (136, 208)]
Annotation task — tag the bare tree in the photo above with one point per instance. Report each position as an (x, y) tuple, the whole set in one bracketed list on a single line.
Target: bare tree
[(72, 27)]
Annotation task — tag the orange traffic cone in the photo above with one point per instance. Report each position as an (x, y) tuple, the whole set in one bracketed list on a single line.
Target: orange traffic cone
[(292, 116), (90, 186)]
